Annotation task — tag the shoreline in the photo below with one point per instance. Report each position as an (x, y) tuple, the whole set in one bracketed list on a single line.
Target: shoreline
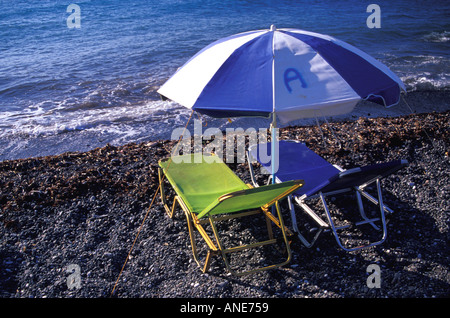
[(21, 146), (85, 208)]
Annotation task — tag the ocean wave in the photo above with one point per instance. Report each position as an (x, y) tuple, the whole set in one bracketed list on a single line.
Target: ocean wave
[(35, 121), (420, 72), (437, 37), (426, 82)]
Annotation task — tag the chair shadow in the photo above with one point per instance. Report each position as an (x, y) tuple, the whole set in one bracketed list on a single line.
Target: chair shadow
[(412, 263)]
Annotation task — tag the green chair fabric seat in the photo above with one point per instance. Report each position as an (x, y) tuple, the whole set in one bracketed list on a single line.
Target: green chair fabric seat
[(206, 188), (195, 179)]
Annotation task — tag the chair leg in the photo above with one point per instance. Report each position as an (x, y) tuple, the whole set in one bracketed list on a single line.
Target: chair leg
[(212, 250), (362, 212), (163, 194), (208, 259), (375, 201), (223, 251), (382, 209), (335, 229), (194, 224), (269, 227), (322, 225)]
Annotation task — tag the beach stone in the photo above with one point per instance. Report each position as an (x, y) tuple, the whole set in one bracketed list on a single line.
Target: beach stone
[(91, 209)]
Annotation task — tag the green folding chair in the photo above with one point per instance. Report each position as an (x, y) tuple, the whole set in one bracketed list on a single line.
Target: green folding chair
[(208, 191)]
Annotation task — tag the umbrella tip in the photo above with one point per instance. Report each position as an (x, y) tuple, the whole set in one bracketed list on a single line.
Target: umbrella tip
[(272, 27)]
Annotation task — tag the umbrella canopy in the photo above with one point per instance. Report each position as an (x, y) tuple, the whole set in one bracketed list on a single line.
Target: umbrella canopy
[(290, 73)]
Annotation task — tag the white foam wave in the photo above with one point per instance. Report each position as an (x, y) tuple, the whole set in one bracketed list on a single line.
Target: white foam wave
[(426, 82), (123, 120), (437, 37), (421, 72)]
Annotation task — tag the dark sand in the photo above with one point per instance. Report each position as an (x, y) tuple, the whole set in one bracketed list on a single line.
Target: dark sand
[(85, 208)]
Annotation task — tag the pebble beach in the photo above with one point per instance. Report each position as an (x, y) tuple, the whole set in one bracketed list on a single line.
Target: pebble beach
[(82, 128), (99, 212)]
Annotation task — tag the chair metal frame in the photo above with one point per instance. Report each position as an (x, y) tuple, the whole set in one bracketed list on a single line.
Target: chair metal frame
[(214, 243), (323, 226)]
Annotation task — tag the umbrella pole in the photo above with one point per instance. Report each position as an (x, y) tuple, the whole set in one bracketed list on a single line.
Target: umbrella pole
[(273, 146)]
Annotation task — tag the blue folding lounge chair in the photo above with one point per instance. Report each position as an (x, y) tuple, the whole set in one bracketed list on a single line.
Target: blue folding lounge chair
[(321, 179)]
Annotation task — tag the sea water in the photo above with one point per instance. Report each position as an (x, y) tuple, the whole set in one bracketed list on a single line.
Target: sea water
[(75, 75)]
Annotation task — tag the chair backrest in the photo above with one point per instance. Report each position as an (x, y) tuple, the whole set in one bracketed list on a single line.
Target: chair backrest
[(296, 161), (363, 175), (199, 179), (292, 157)]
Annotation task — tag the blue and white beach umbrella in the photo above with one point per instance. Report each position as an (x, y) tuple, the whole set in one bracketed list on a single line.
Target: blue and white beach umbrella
[(287, 72), (284, 73)]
